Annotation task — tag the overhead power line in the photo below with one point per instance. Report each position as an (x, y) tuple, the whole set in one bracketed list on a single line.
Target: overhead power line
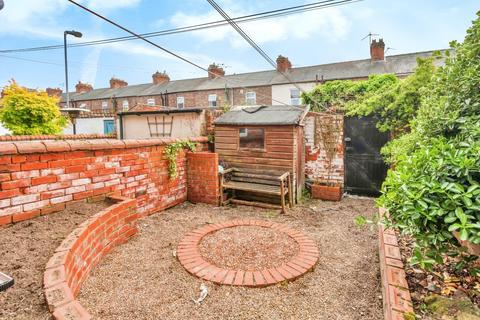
[(156, 45), (251, 42), (207, 25)]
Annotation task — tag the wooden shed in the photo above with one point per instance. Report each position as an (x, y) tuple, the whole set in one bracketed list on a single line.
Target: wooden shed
[(264, 138)]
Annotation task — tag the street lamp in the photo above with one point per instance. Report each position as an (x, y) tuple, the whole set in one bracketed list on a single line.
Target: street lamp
[(75, 34)]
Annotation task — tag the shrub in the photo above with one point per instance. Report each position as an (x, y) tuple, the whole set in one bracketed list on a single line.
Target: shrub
[(27, 112), (435, 187), (436, 191)]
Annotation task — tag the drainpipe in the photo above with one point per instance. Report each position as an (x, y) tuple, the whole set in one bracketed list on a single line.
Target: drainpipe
[(120, 120)]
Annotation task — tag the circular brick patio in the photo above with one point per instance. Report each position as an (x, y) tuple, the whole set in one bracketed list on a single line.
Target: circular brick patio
[(188, 254)]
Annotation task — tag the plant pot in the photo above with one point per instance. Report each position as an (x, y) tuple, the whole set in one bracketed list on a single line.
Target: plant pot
[(326, 192)]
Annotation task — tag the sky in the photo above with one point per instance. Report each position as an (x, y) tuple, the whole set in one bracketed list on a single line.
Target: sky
[(308, 38)]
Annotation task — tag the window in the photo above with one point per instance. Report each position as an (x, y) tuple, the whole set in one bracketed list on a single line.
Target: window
[(250, 98), (212, 100), (105, 105), (294, 97), (125, 105), (83, 106), (180, 102), (151, 102), (252, 138)]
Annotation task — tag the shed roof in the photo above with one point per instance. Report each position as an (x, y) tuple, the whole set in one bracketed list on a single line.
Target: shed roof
[(402, 64), (263, 115)]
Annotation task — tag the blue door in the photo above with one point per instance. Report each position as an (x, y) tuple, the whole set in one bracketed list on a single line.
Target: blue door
[(108, 126)]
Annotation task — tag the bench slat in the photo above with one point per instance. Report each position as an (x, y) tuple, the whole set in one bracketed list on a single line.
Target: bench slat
[(275, 182), (241, 173), (254, 187)]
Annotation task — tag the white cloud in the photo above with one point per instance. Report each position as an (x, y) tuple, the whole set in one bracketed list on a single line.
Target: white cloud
[(111, 4), (330, 23), (32, 17)]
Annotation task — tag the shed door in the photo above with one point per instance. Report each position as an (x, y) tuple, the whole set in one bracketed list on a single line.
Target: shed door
[(364, 167)]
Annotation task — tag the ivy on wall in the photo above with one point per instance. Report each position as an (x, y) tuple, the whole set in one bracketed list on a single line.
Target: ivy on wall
[(171, 152)]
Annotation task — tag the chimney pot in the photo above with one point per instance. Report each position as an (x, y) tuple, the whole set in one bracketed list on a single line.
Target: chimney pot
[(116, 83), (283, 64), (160, 77), (83, 87), (215, 71), (377, 50)]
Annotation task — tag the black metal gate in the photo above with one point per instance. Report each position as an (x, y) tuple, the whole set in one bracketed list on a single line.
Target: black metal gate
[(364, 167)]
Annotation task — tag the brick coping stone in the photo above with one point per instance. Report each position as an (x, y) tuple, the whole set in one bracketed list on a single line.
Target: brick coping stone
[(397, 302), (46, 146), (188, 254)]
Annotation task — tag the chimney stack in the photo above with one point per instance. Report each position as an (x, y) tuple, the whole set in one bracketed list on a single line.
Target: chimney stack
[(117, 83), (283, 64), (83, 87), (377, 50), (54, 92), (160, 77), (215, 71)]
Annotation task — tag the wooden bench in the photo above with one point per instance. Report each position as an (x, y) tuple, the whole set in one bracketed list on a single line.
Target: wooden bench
[(261, 182)]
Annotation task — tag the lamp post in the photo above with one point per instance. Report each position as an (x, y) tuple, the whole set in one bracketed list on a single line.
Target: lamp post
[(75, 34)]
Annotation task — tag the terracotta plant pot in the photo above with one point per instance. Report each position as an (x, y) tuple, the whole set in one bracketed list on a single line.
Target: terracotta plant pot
[(326, 192)]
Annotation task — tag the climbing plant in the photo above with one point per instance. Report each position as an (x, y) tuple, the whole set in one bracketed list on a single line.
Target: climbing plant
[(171, 152)]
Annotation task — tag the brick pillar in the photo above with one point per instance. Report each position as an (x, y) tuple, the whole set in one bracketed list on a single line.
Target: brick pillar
[(202, 177)]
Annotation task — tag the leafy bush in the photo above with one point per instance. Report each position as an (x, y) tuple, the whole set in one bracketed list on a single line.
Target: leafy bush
[(339, 94), (434, 189), (27, 112)]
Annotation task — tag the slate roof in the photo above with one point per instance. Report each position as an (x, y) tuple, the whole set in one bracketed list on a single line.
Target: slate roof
[(402, 64), (263, 115)]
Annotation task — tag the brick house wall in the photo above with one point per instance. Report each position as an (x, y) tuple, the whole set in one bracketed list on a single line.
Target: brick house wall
[(316, 167), (198, 99)]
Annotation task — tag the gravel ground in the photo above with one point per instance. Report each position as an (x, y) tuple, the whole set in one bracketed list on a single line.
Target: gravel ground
[(248, 248), (25, 248), (142, 279)]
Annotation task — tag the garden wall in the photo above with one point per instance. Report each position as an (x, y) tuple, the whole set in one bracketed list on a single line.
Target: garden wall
[(81, 251), (397, 302), (202, 177), (40, 177), (315, 163)]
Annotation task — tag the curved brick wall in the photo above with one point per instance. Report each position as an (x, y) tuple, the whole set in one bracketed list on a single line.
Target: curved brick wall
[(80, 251)]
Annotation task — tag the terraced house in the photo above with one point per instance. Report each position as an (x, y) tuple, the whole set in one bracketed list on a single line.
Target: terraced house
[(166, 107)]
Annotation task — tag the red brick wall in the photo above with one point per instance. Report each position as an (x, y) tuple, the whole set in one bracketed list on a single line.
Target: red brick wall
[(202, 181), (315, 159), (39, 177), (192, 99), (397, 302), (81, 251)]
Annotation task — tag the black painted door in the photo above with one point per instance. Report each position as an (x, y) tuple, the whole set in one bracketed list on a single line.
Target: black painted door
[(364, 167)]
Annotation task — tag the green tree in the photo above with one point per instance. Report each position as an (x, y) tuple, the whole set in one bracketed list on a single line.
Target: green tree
[(26, 112)]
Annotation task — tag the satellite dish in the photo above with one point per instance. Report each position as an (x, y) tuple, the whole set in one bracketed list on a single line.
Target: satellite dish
[(1, 4)]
